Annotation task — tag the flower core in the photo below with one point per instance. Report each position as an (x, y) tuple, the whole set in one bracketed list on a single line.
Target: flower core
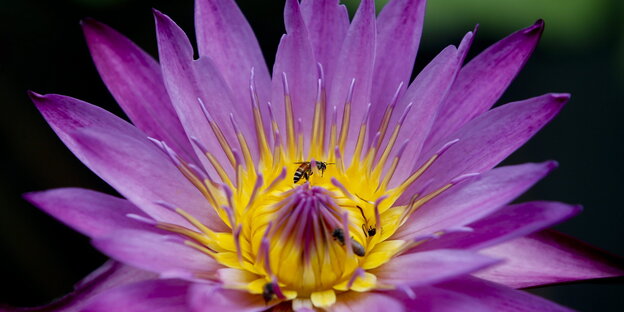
[(302, 224)]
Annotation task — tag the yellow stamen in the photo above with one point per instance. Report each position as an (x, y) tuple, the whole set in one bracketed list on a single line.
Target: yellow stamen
[(263, 143), (290, 125), (217, 166), (222, 142), (344, 130)]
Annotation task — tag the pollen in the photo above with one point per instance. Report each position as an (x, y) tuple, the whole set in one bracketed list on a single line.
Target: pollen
[(314, 214)]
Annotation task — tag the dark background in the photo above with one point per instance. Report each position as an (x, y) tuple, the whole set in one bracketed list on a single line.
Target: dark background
[(42, 49)]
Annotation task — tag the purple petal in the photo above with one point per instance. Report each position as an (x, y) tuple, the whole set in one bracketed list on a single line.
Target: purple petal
[(224, 36), (355, 61), (490, 138), (327, 23), (465, 44), (399, 27), (550, 257), (367, 301), (295, 58), (123, 157), (110, 275), (500, 298), (202, 296), (187, 81), (148, 296), (434, 299), (475, 199), (506, 224), (430, 267), (483, 80), (91, 213), (134, 79), (165, 255), (425, 95)]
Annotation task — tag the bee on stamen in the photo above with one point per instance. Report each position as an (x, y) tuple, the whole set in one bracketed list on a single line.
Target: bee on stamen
[(371, 231), (305, 169), (268, 292), (338, 235), (357, 248)]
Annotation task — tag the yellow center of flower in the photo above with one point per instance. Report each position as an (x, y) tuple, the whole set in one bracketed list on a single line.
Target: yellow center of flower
[(304, 227)]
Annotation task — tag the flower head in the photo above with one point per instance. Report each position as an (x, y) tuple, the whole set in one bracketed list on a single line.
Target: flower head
[(333, 183)]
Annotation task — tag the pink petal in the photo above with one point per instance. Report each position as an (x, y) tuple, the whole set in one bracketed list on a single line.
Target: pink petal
[(490, 138), (367, 301), (295, 58), (148, 296), (165, 255), (474, 199), (430, 267), (550, 257), (508, 223), (399, 27), (500, 298), (91, 213), (425, 95), (188, 81), (355, 61), (483, 80), (135, 81), (435, 299), (465, 44), (110, 275), (123, 157), (224, 36), (327, 22), (214, 298)]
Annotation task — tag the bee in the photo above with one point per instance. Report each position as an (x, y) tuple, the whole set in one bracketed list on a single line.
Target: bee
[(338, 235), (357, 248), (305, 169), (268, 292), (371, 231)]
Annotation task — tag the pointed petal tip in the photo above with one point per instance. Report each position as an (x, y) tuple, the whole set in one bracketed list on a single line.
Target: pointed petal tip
[(552, 165), (91, 25), (93, 30), (470, 34), (34, 96), (540, 22), (291, 5), (89, 22), (558, 100), (38, 99), (561, 97), (536, 29), (31, 197), (366, 6), (576, 209), (158, 15)]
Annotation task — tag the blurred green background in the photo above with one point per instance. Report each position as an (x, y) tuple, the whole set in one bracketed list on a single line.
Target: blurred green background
[(42, 49)]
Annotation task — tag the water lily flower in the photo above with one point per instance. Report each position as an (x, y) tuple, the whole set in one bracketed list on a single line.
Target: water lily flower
[(333, 183)]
